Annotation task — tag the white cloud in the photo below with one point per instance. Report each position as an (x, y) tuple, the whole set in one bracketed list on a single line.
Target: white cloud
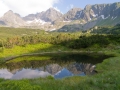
[(28, 73), (4, 73), (3, 8), (57, 9), (25, 7)]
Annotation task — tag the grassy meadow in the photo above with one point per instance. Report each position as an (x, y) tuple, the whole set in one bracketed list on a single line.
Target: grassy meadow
[(6, 32), (107, 78)]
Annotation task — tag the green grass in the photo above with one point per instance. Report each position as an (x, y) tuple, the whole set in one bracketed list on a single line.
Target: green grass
[(108, 22), (18, 50), (30, 58), (21, 85), (28, 49), (111, 64), (6, 32), (108, 77)]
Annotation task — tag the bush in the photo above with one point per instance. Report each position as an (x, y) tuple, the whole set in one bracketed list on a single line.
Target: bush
[(84, 42)]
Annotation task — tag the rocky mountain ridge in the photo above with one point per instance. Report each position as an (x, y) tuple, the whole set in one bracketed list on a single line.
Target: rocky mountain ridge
[(48, 16), (74, 19), (12, 19)]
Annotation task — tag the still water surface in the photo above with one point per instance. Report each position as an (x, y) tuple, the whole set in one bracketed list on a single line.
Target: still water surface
[(57, 66)]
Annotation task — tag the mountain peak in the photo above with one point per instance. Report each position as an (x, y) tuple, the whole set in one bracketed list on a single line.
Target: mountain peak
[(9, 12), (75, 8), (87, 17), (51, 8), (70, 15), (87, 7), (12, 19), (51, 14)]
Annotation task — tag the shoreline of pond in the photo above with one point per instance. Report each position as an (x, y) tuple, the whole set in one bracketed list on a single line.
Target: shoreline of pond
[(55, 52)]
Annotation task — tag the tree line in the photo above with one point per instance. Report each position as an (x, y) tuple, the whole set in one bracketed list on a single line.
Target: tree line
[(34, 39), (94, 40), (70, 40)]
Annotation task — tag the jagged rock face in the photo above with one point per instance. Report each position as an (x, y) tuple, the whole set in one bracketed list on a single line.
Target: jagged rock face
[(30, 17), (96, 15), (77, 18), (51, 15), (71, 14), (91, 11), (48, 16), (12, 19), (107, 9)]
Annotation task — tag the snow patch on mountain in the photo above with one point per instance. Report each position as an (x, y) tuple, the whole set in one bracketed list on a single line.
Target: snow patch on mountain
[(53, 29), (37, 21), (57, 9), (103, 17), (107, 17), (114, 18), (94, 15), (67, 21)]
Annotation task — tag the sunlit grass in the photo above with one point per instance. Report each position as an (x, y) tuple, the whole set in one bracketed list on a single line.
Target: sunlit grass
[(17, 50), (18, 85), (30, 58), (31, 48), (111, 64)]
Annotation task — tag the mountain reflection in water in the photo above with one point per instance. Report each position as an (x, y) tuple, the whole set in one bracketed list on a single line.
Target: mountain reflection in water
[(57, 67), (54, 70)]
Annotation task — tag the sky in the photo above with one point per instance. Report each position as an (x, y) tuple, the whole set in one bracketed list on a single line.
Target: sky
[(25, 7)]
